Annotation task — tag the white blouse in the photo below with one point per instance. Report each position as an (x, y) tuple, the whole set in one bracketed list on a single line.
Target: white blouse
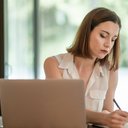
[(97, 85)]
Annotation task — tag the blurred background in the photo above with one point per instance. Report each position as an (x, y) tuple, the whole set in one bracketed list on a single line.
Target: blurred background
[(36, 29)]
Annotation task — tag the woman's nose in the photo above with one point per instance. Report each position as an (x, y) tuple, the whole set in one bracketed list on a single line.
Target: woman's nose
[(107, 44)]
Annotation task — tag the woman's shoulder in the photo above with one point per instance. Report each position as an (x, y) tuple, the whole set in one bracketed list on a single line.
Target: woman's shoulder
[(49, 59), (63, 57), (54, 59), (60, 55), (49, 62)]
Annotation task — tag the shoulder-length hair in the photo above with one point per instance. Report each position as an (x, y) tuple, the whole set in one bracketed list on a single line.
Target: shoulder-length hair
[(80, 46)]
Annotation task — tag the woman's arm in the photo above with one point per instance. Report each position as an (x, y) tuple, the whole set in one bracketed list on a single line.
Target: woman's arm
[(115, 119), (51, 69), (110, 118), (108, 102)]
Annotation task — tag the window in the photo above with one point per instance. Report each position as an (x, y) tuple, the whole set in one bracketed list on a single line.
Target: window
[(1, 40), (19, 51)]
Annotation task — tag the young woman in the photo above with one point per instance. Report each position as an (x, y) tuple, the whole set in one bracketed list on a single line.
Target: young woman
[(94, 58)]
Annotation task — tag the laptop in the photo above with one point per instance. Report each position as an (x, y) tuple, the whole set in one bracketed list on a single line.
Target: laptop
[(42, 103)]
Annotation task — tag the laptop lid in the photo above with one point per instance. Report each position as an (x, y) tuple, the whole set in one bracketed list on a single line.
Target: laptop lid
[(43, 103)]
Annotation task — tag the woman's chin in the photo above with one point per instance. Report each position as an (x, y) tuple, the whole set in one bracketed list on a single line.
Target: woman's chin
[(100, 57)]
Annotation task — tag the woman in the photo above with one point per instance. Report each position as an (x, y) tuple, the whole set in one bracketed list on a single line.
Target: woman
[(94, 58)]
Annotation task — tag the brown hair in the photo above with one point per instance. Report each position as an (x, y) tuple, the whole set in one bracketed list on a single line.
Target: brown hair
[(80, 46)]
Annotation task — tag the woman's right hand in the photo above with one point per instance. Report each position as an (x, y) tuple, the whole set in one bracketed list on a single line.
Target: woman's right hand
[(116, 119)]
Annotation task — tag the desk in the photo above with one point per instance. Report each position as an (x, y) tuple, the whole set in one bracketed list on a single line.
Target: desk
[(91, 126), (96, 126)]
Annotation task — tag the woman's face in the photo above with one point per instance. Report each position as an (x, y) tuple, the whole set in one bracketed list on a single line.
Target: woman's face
[(102, 39)]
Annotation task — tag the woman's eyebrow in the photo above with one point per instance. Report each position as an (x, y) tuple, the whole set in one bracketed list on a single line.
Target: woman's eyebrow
[(105, 32), (108, 33)]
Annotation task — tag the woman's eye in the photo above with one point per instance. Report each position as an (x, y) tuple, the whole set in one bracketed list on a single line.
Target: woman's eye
[(103, 36), (113, 40)]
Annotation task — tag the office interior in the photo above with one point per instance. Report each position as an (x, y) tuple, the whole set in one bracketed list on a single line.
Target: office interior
[(32, 30)]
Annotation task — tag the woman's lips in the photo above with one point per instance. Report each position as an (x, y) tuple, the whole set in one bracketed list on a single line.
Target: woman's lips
[(104, 51)]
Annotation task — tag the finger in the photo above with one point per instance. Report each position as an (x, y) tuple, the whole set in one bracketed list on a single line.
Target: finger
[(122, 113)]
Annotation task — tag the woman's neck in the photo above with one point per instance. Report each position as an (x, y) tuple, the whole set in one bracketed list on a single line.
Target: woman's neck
[(83, 62), (85, 68)]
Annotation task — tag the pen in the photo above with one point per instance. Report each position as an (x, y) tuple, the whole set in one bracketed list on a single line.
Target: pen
[(116, 104), (97, 126)]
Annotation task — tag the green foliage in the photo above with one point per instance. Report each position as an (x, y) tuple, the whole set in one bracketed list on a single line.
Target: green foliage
[(61, 18)]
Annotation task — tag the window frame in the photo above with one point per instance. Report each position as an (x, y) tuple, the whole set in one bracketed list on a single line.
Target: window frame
[(2, 39)]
